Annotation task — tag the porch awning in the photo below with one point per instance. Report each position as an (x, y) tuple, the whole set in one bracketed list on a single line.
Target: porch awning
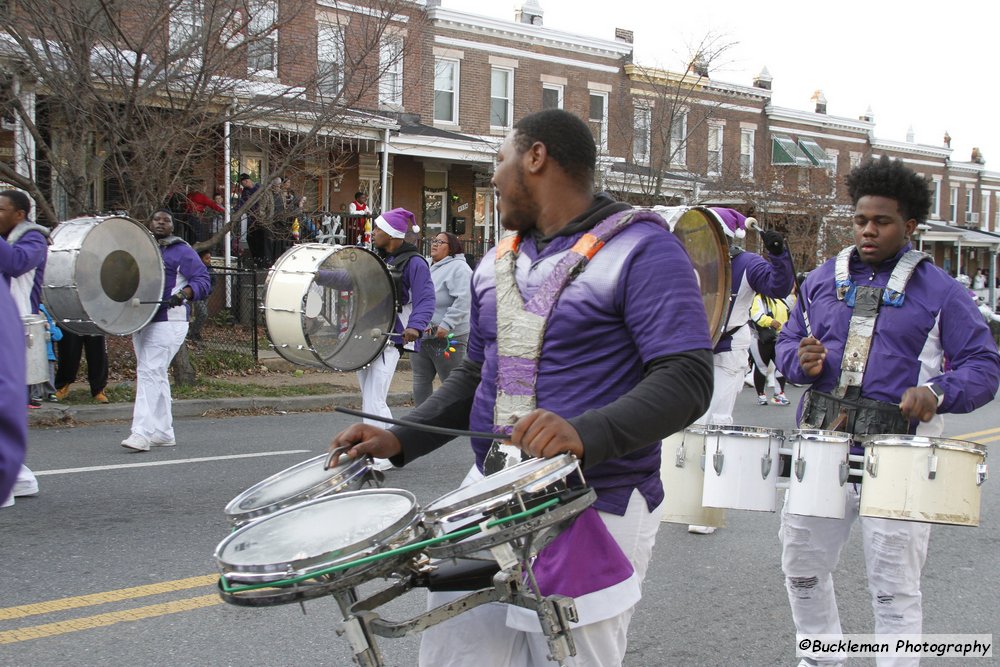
[(784, 151), (973, 238)]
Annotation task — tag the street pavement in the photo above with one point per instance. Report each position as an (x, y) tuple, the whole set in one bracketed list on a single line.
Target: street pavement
[(112, 563)]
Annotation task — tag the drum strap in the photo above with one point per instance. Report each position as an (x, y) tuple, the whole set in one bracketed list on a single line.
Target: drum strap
[(521, 325), (22, 285), (396, 270)]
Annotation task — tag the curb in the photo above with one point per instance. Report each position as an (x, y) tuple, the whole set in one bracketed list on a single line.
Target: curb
[(90, 414)]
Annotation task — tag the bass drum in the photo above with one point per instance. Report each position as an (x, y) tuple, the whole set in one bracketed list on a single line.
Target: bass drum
[(103, 276), (705, 242), (329, 306)]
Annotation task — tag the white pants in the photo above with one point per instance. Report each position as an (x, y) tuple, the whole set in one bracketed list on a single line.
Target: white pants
[(374, 381), (894, 556), (481, 638), (730, 368), (155, 346)]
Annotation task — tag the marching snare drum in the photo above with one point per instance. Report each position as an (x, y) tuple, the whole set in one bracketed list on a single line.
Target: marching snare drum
[(329, 306), (301, 482), (819, 472), (501, 494), (682, 465), (103, 276), (917, 478), (741, 467), (36, 337), (323, 540)]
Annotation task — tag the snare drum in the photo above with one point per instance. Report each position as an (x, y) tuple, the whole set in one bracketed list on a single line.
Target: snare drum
[(741, 467), (501, 494), (36, 337), (321, 539), (103, 276), (329, 306), (303, 481), (917, 478), (819, 473), (682, 465)]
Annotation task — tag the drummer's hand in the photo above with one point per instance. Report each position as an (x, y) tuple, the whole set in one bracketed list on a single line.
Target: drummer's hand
[(544, 434), (365, 439), (442, 332), (410, 335), (811, 356), (919, 403)]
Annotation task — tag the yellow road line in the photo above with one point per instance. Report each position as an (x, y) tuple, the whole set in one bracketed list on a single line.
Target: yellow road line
[(983, 441), (62, 604), (103, 620), (973, 436)]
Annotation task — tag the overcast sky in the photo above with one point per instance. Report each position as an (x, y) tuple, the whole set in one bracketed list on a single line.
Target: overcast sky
[(932, 66)]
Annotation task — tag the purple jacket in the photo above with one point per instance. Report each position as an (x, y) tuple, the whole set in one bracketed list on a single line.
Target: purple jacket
[(28, 253), (13, 413), (181, 268), (752, 274), (937, 323), (636, 301)]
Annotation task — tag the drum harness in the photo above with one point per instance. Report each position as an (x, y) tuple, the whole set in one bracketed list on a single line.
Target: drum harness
[(845, 409), (20, 286)]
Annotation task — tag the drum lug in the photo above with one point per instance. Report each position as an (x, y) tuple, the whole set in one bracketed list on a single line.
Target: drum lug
[(765, 466), (845, 470), (679, 459), (982, 473), (871, 464), (717, 459), (800, 468), (932, 463)]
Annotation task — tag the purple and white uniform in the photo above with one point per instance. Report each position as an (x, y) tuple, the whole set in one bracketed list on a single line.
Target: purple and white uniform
[(13, 413)]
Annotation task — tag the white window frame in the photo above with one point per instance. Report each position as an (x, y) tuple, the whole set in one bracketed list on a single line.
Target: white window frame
[(855, 160), (718, 130), (390, 83), (832, 169), (263, 18), (642, 123), (185, 24), (602, 131), (984, 209), (506, 95), (936, 200), (953, 204), (559, 90), (456, 66), (678, 139), (748, 138), (970, 195), (329, 51)]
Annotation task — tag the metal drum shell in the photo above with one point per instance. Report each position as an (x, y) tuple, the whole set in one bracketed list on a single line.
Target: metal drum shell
[(77, 278), (36, 338), (741, 483), (901, 487), (819, 492), (682, 457)]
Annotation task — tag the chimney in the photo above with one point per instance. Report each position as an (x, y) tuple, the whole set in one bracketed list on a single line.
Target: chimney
[(819, 99), (868, 116), (763, 80), (947, 139), (909, 135), (699, 66), (977, 156), (623, 35), (530, 12)]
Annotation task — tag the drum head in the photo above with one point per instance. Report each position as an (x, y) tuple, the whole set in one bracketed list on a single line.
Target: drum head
[(302, 481), (706, 245), (344, 303), (99, 273), (316, 534)]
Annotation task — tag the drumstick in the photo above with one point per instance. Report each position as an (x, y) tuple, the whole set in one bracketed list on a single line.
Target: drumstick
[(376, 333), (440, 430), (135, 302)]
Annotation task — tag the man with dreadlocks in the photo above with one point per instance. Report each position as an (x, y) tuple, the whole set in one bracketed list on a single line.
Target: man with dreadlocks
[(894, 317)]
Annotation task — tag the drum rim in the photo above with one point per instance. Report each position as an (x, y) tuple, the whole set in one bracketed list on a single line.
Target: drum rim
[(380, 541), (900, 440), (349, 471), (819, 435), (726, 268), (552, 470), (752, 431)]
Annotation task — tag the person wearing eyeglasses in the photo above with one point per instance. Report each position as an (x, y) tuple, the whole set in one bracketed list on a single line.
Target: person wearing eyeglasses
[(437, 353)]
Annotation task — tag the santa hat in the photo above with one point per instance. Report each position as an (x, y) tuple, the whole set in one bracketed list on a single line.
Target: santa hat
[(734, 223), (396, 223)]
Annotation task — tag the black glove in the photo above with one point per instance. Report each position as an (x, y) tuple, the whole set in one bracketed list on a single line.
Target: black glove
[(773, 241), (177, 299)]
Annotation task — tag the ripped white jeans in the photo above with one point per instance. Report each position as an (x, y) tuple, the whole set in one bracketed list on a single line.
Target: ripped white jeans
[(894, 551)]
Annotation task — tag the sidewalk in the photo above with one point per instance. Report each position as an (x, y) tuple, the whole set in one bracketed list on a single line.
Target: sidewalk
[(343, 392)]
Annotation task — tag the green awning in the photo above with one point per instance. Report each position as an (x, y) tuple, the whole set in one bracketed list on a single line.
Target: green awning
[(816, 154), (784, 151)]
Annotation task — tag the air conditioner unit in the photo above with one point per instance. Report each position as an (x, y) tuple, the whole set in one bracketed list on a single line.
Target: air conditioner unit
[(972, 217)]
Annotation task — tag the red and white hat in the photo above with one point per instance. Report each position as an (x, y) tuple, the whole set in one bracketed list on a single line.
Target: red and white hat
[(396, 223)]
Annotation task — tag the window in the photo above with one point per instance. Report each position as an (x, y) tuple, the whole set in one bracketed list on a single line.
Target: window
[(746, 152), (390, 84), (185, 26), (501, 97), (855, 160), (936, 199), (678, 139), (262, 48), (969, 215), (552, 96), (446, 90), (984, 208), (640, 134), (598, 116), (329, 60), (953, 205), (715, 149), (832, 170)]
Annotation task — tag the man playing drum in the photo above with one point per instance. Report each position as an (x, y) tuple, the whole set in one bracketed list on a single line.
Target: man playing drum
[(895, 318), (616, 371), (13, 413)]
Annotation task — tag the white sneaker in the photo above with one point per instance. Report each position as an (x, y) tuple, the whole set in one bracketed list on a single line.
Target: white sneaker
[(382, 464), (155, 442), (25, 487), (136, 442), (701, 530), (9, 502)]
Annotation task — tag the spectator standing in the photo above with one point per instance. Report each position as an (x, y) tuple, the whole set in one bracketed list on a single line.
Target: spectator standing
[(46, 391), (768, 315), (259, 237), (359, 222), (71, 348), (449, 329), (186, 279)]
